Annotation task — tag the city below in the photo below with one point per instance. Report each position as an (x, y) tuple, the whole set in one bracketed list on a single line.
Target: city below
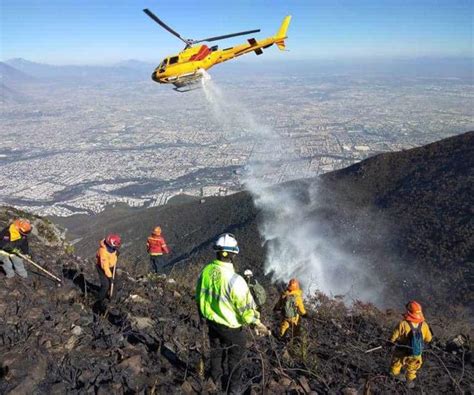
[(75, 147)]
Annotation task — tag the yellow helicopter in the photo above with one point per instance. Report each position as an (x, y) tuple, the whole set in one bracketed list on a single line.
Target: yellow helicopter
[(187, 67)]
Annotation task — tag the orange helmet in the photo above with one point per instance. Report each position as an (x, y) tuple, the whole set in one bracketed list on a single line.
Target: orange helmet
[(157, 231), (414, 312), (23, 226), (293, 285)]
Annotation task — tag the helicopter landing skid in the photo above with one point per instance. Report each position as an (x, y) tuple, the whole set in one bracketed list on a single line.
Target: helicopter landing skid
[(188, 81)]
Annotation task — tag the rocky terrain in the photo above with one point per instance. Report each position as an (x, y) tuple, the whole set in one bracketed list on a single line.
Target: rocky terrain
[(406, 216), (151, 342)]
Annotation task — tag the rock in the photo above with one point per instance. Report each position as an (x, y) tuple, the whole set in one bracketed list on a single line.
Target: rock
[(285, 382), (187, 388), (133, 364), (76, 330), (141, 323), (34, 314), (137, 299), (67, 294), (35, 370), (176, 294), (71, 342), (349, 391), (58, 389)]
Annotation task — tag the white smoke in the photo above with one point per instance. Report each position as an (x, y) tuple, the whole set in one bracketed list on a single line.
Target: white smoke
[(297, 246)]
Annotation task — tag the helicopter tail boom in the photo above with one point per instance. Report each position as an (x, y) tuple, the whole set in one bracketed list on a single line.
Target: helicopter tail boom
[(281, 34)]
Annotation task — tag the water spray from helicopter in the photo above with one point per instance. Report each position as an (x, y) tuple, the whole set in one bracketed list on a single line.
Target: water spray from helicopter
[(297, 246)]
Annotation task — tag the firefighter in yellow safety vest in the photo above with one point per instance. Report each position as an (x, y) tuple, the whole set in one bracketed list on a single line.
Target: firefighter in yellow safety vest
[(225, 302)]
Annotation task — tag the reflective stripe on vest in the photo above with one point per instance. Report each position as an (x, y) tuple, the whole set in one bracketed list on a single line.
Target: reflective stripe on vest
[(224, 296)]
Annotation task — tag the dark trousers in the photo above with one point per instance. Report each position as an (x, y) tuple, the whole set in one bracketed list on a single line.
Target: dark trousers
[(156, 266), (104, 285), (228, 346)]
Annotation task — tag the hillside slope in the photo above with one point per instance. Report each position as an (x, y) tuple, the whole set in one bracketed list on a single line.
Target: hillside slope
[(51, 342), (405, 216)]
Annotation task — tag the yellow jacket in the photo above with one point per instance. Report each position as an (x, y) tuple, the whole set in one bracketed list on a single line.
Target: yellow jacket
[(298, 295), (106, 259), (401, 333)]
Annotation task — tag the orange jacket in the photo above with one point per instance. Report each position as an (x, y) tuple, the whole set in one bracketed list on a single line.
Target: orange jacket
[(105, 259)]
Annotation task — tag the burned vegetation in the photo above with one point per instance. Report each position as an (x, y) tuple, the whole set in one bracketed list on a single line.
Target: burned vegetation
[(150, 341)]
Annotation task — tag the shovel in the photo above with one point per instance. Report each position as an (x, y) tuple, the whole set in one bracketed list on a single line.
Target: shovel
[(38, 267), (112, 284)]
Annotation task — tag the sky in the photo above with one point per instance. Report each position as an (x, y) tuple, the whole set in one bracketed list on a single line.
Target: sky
[(105, 31)]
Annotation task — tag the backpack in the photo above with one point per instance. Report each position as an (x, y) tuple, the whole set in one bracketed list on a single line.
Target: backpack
[(416, 340), (289, 307), (259, 293)]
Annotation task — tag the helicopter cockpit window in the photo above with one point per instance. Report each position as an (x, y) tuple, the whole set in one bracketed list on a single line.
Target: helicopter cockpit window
[(173, 60), (162, 65)]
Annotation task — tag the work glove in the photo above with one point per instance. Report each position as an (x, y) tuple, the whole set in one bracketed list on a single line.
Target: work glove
[(261, 330)]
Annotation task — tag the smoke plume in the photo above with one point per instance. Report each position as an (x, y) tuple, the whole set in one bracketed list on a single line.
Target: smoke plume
[(298, 245)]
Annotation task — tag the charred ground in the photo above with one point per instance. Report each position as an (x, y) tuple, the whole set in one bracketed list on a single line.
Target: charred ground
[(150, 342)]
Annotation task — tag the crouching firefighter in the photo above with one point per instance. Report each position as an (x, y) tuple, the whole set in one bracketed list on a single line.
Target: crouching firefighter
[(291, 308), (107, 255), (14, 240), (225, 302), (409, 336)]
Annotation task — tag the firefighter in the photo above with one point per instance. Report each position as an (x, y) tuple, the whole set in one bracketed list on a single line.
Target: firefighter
[(14, 240), (226, 304), (107, 255), (409, 336), (156, 246), (291, 307)]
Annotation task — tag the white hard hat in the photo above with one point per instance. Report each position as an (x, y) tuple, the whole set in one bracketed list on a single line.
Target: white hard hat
[(248, 273), (226, 242)]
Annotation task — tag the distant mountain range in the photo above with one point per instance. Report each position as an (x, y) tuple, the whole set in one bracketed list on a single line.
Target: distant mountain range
[(16, 75), (406, 217), (127, 70)]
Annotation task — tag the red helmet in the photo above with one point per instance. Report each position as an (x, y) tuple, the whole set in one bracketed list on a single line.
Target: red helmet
[(23, 226), (113, 240)]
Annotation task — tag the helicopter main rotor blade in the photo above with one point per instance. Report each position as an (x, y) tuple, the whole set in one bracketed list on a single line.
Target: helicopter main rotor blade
[(226, 36), (163, 25)]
